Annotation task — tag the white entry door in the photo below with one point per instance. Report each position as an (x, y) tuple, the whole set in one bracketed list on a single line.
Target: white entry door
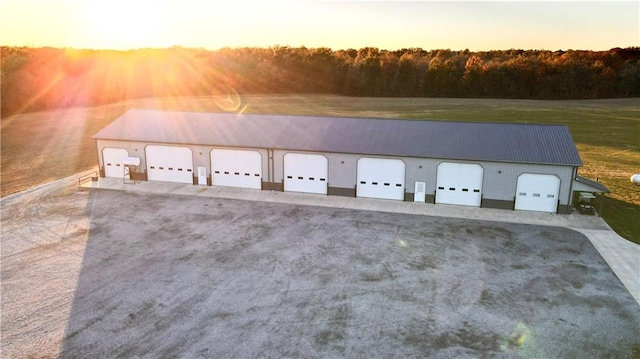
[(112, 160), (169, 164), (306, 173), (537, 192), (236, 168), (420, 193), (202, 176), (380, 178), (459, 183)]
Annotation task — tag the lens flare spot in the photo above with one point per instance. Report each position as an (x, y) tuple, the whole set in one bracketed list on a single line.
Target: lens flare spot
[(517, 339), (230, 102), (402, 243)]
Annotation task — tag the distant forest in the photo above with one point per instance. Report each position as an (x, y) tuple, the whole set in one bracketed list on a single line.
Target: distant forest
[(47, 78)]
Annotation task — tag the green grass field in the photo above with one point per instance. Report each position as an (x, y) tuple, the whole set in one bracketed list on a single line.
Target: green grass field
[(44, 146)]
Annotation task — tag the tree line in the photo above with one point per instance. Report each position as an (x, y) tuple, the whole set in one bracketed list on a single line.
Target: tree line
[(47, 78)]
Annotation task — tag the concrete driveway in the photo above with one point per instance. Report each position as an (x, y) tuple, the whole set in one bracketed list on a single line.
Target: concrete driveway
[(100, 273)]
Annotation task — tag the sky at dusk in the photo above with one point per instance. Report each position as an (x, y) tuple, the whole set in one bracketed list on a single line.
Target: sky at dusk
[(390, 25)]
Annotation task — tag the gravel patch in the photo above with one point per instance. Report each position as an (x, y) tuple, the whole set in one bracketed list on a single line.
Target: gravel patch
[(99, 273)]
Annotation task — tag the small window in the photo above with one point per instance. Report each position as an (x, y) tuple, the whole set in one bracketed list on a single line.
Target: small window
[(237, 173), (452, 188), (465, 190), (217, 172), (398, 185), (363, 182), (108, 164), (290, 177), (386, 184), (536, 194), (322, 179), (170, 168), (153, 167), (522, 194), (226, 172), (117, 164), (160, 168), (247, 174), (257, 175), (551, 196), (441, 188), (189, 170), (311, 178), (476, 191), (300, 178), (374, 183), (180, 169)]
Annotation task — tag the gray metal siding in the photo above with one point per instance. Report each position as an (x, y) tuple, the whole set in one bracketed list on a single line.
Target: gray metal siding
[(200, 158), (502, 186), (499, 180), (414, 173), (341, 174), (201, 154)]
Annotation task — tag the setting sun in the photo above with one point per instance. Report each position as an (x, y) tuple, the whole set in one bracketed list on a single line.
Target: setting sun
[(476, 25), (126, 24)]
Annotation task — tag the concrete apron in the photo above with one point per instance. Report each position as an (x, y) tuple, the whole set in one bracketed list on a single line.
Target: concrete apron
[(620, 254)]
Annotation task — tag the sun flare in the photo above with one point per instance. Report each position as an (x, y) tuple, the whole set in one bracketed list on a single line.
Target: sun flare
[(127, 24)]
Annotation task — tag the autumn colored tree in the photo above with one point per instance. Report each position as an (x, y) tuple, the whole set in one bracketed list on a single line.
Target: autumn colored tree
[(47, 78)]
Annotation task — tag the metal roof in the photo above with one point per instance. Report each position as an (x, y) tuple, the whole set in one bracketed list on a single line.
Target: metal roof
[(474, 141), (585, 184)]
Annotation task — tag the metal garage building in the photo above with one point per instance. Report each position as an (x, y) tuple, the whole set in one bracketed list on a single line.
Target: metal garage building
[(498, 165)]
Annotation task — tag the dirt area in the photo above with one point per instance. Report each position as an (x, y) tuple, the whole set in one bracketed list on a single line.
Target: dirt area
[(100, 273)]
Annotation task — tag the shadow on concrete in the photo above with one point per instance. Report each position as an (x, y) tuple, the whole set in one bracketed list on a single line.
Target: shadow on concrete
[(183, 276)]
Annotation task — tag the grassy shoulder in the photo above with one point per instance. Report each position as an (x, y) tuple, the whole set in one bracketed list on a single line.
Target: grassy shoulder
[(43, 146)]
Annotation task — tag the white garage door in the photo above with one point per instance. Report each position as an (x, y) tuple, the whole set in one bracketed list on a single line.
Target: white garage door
[(536, 192), (112, 160), (305, 173), (236, 168), (380, 178), (459, 183), (169, 164)]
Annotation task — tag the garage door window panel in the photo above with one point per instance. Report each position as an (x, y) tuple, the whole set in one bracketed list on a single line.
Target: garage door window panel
[(380, 178), (459, 183), (162, 162), (112, 158), (305, 173), (544, 189), (234, 168)]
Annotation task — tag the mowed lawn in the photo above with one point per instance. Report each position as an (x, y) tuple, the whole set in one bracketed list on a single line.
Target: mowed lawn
[(43, 146)]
